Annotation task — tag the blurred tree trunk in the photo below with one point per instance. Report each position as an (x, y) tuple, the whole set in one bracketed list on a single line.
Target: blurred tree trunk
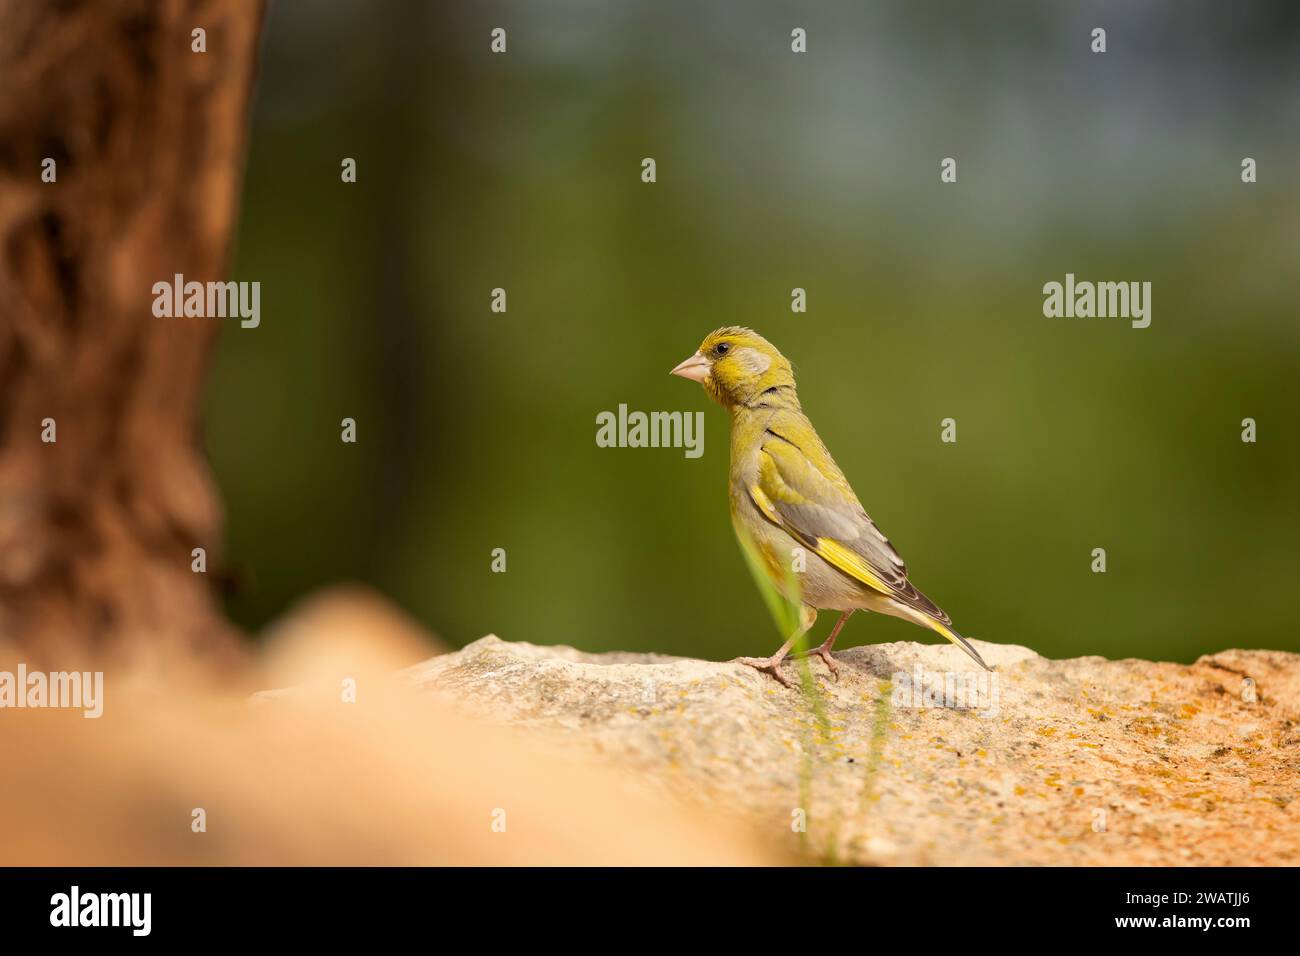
[(97, 528)]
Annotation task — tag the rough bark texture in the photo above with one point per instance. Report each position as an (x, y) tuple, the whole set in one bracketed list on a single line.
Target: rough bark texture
[(1083, 762), (96, 529)]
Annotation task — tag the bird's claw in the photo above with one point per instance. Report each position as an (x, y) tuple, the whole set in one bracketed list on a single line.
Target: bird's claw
[(767, 665), (830, 664), (825, 655)]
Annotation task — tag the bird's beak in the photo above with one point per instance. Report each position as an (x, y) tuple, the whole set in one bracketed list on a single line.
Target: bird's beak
[(696, 368)]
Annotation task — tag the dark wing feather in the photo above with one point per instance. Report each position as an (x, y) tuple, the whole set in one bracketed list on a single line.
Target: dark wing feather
[(803, 491)]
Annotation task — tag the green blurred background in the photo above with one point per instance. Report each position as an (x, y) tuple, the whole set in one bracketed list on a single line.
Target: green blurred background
[(775, 170)]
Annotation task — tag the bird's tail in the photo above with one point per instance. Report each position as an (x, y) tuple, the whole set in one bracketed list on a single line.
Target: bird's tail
[(957, 639)]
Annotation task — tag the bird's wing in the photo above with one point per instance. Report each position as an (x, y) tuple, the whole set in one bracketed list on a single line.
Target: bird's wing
[(816, 507)]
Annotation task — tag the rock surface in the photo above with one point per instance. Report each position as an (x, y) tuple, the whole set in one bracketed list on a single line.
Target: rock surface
[(905, 761)]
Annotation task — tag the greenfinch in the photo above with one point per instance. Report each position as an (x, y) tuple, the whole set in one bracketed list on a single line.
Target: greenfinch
[(787, 493)]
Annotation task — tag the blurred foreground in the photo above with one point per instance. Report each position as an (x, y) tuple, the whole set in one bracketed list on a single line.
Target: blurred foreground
[(302, 778)]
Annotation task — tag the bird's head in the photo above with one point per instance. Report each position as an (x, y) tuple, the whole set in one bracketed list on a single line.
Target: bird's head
[(737, 366)]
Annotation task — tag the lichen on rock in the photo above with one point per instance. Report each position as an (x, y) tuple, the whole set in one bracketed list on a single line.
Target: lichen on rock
[(912, 758)]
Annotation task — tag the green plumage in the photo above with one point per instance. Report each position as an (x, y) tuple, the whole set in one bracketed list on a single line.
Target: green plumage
[(791, 498)]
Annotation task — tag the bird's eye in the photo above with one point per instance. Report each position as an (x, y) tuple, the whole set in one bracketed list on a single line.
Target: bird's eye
[(722, 348)]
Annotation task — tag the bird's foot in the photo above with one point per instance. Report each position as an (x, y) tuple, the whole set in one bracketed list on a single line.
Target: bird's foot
[(768, 665), (824, 652)]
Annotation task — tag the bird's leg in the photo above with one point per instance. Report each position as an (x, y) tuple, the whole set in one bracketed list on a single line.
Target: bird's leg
[(772, 665), (824, 652)]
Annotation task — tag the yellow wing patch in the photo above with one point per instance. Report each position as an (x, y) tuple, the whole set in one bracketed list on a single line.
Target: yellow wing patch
[(851, 563), (764, 504), (828, 549)]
